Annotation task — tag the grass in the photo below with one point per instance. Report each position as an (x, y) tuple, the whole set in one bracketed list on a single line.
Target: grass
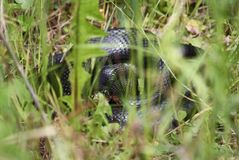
[(36, 29)]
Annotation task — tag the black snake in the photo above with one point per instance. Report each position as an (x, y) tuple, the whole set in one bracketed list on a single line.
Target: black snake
[(129, 58)]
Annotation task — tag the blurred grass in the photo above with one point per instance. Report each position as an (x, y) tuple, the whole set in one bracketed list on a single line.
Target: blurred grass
[(211, 134)]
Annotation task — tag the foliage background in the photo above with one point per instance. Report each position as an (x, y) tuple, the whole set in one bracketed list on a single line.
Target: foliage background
[(37, 28)]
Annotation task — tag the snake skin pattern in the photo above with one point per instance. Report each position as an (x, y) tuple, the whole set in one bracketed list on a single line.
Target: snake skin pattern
[(117, 74)]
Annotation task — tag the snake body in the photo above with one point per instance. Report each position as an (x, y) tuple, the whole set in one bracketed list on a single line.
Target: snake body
[(117, 74)]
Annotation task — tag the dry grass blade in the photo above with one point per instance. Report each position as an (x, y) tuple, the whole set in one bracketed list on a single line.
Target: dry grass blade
[(47, 131)]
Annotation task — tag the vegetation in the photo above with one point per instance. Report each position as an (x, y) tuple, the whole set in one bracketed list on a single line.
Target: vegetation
[(32, 30)]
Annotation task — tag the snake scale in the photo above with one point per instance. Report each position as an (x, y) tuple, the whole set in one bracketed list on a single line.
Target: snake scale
[(117, 75)]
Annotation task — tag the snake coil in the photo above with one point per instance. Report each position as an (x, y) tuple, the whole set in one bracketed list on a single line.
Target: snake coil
[(129, 59)]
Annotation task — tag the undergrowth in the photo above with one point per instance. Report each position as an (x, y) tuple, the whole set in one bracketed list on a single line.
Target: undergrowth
[(36, 29)]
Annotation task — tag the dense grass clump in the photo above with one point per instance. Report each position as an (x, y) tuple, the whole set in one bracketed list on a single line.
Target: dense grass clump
[(31, 31)]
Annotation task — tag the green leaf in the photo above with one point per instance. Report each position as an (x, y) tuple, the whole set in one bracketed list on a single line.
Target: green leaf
[(25, 4), (181, 115)]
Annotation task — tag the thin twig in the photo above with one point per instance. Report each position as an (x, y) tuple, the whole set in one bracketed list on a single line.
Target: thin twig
[(20, 69), (2, 24), (4, 38)]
